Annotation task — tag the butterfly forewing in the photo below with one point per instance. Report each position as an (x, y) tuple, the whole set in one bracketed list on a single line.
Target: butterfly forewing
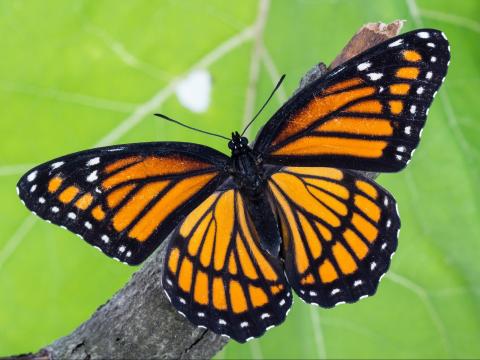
[(339, 231), (218, 276), (367, 114), (124, 200)]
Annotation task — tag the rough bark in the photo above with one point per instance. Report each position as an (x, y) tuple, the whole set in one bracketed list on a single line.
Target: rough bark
[(138, 321)]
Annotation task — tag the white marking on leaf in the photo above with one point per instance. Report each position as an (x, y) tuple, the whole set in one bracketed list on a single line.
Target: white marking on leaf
[(193, 92)]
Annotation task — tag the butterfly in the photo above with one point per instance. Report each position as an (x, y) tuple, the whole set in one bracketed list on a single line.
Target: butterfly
[(288, 212)]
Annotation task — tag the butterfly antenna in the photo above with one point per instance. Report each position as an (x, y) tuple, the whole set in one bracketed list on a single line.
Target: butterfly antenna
[(190, 127), (266, 102)]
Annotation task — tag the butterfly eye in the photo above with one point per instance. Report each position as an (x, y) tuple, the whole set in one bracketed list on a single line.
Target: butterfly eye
[(244, 141), (231, 145)]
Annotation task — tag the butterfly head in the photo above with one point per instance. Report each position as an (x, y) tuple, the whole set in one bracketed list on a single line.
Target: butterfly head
[(238, 144)]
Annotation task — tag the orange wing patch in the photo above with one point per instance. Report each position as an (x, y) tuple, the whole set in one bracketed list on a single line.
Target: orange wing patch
[(224, 271), (333, 224)]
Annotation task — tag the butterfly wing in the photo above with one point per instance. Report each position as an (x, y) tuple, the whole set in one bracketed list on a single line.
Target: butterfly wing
[(367, 114), (124, 199), (339, 231), (218, 276)]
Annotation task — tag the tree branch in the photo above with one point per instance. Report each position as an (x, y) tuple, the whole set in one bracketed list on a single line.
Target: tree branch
[(139, 321)]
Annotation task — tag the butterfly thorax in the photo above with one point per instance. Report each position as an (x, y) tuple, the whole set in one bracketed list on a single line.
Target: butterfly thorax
[(244, 166)]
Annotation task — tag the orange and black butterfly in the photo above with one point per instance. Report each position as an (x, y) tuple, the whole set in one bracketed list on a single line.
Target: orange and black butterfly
[(288, 212)]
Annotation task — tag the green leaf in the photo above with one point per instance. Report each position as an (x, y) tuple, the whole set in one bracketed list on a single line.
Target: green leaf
[(77, 74)]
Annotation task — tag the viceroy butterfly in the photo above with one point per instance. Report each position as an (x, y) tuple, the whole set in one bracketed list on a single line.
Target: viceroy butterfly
[(287, 212)]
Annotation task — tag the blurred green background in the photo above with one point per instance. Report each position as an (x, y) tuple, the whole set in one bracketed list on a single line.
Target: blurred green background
[(77, 74)]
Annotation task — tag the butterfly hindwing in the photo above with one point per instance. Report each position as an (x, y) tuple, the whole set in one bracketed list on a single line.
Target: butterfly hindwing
[(124, 199), (367, 114), (339, 231), (218, 276)]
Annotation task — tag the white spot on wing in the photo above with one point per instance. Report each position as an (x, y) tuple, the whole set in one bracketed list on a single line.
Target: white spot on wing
[(364, 66), (105, 239), (94, 161), (87, 225), (430, 44), (375, 76), (32, 176), (423, 35), (122, 249), (41, 200), (420, 90), (244, 324), (57, 164), (433, 59), (93, 176), (55, 209), (396, 43), (33, 188), (428, 75), (408, 130), (193, 92), (72, 215), (335, 291), (413, 109), (222, 322), (358, 283), (265, 315)]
